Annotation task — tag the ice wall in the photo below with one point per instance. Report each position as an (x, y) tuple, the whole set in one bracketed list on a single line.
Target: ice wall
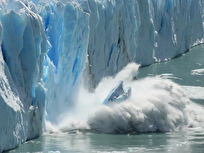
[(141, 31), (22, 95)]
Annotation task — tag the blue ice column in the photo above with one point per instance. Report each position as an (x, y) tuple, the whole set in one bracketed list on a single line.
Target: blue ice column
[(23, 47), (64, 77), (12, 44)]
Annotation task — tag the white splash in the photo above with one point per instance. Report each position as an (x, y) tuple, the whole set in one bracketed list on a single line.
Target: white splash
[(197, 72), (156, 104)]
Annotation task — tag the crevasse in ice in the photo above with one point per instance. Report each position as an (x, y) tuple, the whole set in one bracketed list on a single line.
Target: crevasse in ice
[(46, 46)]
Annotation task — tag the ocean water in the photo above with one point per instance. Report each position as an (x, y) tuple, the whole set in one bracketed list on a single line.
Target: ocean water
[(164, 114)]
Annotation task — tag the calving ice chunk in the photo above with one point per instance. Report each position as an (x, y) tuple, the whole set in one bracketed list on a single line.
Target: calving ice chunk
[(117, 94)]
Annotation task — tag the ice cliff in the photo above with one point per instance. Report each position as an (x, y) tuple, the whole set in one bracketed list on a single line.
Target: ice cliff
[(46, 46), (141, 31), (22, 94)]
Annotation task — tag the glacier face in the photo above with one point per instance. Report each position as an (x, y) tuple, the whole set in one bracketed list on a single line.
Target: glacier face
[(46, 46), (141, 31), (23, 47)]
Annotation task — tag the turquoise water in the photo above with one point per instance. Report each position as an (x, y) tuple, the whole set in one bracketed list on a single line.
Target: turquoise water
[(186, 70), (185, 141), (182, 70)]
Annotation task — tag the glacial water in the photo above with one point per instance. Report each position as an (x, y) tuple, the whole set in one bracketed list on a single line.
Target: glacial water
[(113, 136)]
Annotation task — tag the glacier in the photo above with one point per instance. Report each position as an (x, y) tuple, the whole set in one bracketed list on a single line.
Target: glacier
[(49, 48)]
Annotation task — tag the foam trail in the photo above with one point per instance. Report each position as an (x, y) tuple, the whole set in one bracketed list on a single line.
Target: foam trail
[(156, 104)]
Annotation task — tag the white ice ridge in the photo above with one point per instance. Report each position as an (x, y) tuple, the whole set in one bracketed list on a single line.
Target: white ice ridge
[(48, 43)]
